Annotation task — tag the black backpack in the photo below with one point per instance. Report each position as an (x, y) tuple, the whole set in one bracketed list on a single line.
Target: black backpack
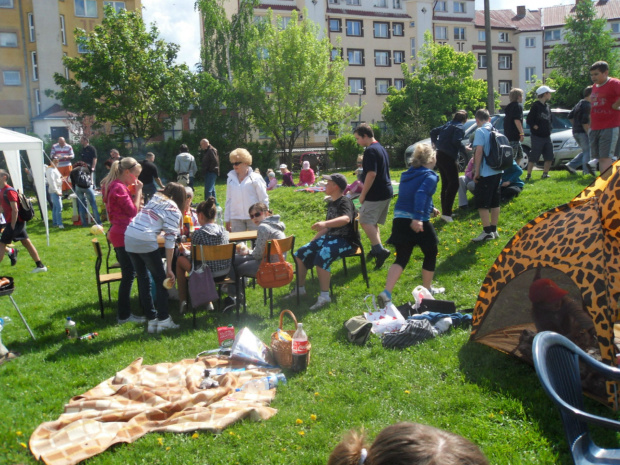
[(501, 154), (83, 179), (24, 205)]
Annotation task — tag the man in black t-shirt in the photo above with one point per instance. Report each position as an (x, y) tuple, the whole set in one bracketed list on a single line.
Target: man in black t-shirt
[(149, 176), (513, 122), (377, 192), (89, 155)]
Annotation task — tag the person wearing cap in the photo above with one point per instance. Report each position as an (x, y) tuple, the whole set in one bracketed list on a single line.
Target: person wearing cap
[(553, 309), (539, 120), (376, 193), (244, 188), (335, 238), (306, 175), (604, 115), (287, 176)]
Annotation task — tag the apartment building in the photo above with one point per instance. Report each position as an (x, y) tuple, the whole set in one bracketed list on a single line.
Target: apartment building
[(34, 37)]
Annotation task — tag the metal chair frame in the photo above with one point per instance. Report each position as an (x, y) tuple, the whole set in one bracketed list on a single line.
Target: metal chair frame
[(103, 279)]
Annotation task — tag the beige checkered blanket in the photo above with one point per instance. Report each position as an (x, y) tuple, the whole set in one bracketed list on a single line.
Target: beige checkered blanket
[(145, 398)]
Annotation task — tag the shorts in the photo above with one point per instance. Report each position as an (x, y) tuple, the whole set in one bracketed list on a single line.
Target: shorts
[(541, 146), (405, 239), (517, 149), (374, 212), (324, 251), (487, 192), (603, 142), (18, 234)]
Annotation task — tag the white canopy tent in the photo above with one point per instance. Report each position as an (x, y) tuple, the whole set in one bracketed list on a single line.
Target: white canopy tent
[(11, 143)]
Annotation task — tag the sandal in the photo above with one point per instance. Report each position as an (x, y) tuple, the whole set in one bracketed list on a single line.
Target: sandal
[(8, 357)]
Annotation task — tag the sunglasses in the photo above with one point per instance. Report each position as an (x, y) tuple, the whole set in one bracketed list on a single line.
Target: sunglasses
[(256, 215), (237, 163)]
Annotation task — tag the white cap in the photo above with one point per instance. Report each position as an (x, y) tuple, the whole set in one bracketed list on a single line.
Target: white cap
[(543, 90), (282, 166)]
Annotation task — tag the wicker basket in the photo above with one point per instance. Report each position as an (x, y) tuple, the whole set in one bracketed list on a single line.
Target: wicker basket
[(283, 350)]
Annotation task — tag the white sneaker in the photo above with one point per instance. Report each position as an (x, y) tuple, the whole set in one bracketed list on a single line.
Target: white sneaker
[(210, 307), (447, 219), (166, 324), (133, 319), (483, 236), (152, 326), (321, 302), (39, 269), (495, 235), (293, 293), (437, 290), (383, 299)]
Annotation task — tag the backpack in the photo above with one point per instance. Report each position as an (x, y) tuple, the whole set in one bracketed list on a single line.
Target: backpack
[(500, 154), (25, 210), (83, 179)]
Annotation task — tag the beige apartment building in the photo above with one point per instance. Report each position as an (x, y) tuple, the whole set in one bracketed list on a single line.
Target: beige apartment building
[(34, 37)]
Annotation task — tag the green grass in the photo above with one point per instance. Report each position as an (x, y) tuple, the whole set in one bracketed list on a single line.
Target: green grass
[(448, 382)]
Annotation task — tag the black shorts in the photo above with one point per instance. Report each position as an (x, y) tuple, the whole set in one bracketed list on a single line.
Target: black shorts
[(487, 192), (404, 239), (18, 234), (541, 146)]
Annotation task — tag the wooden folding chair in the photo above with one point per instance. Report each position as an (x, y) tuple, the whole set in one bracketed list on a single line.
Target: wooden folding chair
[(110, 266), (103, 279)]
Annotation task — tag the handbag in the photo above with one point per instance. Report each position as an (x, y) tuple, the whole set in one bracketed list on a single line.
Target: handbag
[(358, 329), (272, 275), (183, 179), (201, 286)]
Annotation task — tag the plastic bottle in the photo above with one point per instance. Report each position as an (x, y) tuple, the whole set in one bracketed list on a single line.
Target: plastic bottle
[(187, 225), (300, 349), (219, 216), (88, 336), (70, 328), (263, 384)]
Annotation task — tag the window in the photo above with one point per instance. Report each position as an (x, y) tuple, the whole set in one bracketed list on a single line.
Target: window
[(441, 32), (503, 37), (504, 87), (353, 2), (37, 101), (356, 84), (334, 2), (460, 46), (63, 30), (482, 61), (12, 78), (6, 3), (35, 66), (82, 48), (482, 37), (66, 69), (87, 8), (381, 30), (336, 53), (530, 72), (382, 86), (505, 62), (396, 4), (355, 57), (399, 57), (382, 58), (31, 31), (413, 49), (459, 7), (399, 83), (440, 6), (8, 39), (530, 42), (335, 25), (459, 33), (553, 34), (380, 3), (615, 28), (398, 29), (284, 22), (548, 62), (118, 6), (354, 28)]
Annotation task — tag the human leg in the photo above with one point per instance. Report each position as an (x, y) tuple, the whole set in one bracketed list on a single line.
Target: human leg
[(124, 289), (90, 194), (584, 143), (462, 191), (210, 179), (153, 263), (183, 266), (56, 209), (82, 205), (449, 181)]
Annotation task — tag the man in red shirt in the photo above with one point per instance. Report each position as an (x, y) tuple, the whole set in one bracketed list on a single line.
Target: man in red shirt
[(15, 229), (604, 115)]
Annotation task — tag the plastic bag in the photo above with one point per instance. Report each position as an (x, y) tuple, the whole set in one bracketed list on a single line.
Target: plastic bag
[(385, 319), (249, 347), (419, 293)]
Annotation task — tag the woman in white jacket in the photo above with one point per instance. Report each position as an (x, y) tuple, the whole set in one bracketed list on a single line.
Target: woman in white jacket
[(54, 188), (244, 188)]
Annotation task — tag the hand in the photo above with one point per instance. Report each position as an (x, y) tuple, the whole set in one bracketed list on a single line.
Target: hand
[(416, 225), (170, 276), (139, 185), (535, 126), (182, 248), (228, 226), (506, 184), (318, 226), (435, 213), (521, 137)]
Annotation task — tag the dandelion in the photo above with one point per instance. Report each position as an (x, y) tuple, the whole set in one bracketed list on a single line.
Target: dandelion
[(160, 441), (407, 391), (23, 444), (316, 394), (299, 421), (501, 412), (284, 449), (231, 433), (302, 433), (195, 436), (168, 448), (313, 417), (19, 433), (491, 415)]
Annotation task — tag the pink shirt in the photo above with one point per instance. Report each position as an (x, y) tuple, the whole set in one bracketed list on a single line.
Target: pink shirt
[(121, 210), (602, 116), (306, 177)]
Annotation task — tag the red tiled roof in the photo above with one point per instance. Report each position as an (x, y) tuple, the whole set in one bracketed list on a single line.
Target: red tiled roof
[(459, 19), (346, 11), (265, 6), (555, 16), (508, 19)]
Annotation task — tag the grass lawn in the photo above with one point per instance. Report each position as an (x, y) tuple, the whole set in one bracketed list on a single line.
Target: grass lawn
[(484, 395)]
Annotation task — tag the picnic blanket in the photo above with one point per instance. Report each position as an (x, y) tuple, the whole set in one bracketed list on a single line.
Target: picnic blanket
[(311, 189), (144, 398)]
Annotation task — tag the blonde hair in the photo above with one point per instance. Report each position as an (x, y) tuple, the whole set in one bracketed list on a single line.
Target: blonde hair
[(117, 169), (422, 155), (514, 94), (240, 155)]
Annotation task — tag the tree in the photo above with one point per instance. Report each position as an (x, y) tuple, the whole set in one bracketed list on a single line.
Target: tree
[(127, 77), (586, 40), (291, 84)]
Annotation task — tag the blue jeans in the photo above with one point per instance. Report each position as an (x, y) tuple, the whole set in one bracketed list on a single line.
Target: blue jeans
[(151, 262), (210, 185), (584, 157), (56, 209), (82, 193), (148, 191)]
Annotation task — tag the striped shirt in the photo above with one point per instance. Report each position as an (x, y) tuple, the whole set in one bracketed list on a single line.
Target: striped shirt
[(213, 234), (65, 154), (160, 214)]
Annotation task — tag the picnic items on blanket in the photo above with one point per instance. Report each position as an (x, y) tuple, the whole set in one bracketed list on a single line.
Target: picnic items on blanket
[(144, 398), (412, 332), (300, 350), (358, 330), (263, 384), (281, 346), (248, 347), (420, 293), (385, 319), (271, 275), (201, 286), (226, 335)]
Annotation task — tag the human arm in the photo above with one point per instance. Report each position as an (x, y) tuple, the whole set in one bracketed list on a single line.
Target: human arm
[(262, 236), (177, 165), (69, 155), (478, 161), (158, 182), (193, 168), (169, 257), (616, 105), (94, 162), (370, 178), (519, 126), (423, 200)]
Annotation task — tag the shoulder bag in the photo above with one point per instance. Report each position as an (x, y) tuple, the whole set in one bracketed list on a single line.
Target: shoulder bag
[(272, 275)]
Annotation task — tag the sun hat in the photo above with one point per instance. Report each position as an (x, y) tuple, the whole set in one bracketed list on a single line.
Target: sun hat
[(546, 291), (543, 90), (283, 166), (339, 179)]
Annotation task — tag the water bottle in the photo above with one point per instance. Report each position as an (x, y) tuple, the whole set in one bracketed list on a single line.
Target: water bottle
[(300, 349), (219, 217), (263, 384), (70, 328), (88, 336), (187, 225)]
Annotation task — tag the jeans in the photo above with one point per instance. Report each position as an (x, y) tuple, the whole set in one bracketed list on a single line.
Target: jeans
[(148, 191), (584, 157), (151, 261), (210, 185), (124, 289), (449, 172), (82, 193), (56, 209)]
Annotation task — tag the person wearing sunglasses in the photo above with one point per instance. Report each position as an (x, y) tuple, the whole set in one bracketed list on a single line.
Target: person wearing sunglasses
[(244, 188)]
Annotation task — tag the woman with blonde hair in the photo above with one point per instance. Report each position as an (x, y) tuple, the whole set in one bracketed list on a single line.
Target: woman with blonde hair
[(244, 188), (122, 206)]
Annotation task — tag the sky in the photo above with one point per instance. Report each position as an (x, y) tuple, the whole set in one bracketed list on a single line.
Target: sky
[(179, 23)]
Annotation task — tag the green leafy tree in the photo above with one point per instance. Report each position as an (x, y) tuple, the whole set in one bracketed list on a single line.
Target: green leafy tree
[(346, 150), (127, 78), (291, 84), (586, 41)]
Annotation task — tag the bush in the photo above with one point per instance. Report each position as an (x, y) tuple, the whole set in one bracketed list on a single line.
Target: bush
[(346, 150), (405, 135)]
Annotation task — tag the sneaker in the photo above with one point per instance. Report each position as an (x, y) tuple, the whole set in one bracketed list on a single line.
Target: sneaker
[(545, 176), (495, 235), (437, 290), (133, 319), (183, 307), (483, 236), (13, 257), (229, 303), (383, 299), (321, 302), (447, 219), (152, 326), (569, 168), (41, 269), (60, 226), (528, 177), (166, 324), (210, 307), (293, 293), (381, 257), (370, 255)]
